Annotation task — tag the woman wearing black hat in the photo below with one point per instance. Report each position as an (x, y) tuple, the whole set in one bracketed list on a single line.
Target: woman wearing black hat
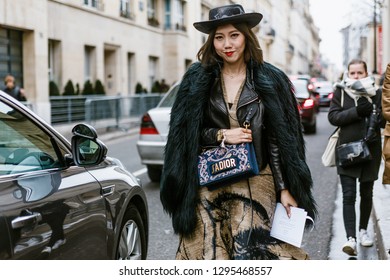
[(232, 221)]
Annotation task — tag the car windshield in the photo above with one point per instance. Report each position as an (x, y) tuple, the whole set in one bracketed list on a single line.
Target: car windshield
[(170, 97), (300, 89)]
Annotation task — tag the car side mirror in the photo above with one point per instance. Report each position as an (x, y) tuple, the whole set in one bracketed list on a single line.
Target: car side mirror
[(87, 150), (84, 130)]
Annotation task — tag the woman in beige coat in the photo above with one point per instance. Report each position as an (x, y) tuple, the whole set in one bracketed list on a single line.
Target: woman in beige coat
[(386, 115)]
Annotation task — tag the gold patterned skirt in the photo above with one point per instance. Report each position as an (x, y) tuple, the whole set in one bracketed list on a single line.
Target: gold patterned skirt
[(234, 222)]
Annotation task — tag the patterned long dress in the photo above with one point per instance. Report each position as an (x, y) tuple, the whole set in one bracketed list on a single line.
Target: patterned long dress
[(234, 221)]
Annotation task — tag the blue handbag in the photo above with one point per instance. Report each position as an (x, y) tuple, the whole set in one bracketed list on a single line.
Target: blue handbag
[(228, 162)]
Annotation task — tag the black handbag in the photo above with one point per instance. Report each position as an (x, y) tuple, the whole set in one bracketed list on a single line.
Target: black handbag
[(353, 153)]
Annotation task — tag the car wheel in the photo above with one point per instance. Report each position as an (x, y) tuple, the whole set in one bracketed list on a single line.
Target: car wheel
[(154, 173), (132, 240)]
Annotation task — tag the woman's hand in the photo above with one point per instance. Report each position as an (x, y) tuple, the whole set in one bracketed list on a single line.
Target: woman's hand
[(287, 200), (238, 135)]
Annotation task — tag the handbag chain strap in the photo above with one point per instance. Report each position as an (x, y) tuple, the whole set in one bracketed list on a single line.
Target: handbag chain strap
[(252, 108), (250, 112)]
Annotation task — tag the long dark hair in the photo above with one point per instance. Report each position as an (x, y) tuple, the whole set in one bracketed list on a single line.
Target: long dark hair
[(208, 56)]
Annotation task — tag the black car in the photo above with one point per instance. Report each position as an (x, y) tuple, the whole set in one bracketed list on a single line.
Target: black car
[(324, 91), (307, 106), (61, 200)]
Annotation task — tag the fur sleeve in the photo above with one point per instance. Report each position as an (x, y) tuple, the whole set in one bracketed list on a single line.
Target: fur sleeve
[(179, 183), (278, 96)]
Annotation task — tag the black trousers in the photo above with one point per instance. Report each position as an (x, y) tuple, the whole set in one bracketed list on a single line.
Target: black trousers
[(348, 185)]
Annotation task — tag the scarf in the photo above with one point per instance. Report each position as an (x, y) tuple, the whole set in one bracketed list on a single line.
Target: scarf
[(359, 88)]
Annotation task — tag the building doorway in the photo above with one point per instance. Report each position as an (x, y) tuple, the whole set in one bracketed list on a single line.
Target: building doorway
[(111, 73), (11, 54)]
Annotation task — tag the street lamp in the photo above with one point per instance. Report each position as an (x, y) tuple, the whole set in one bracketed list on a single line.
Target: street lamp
[(375, 70), (379, 2)]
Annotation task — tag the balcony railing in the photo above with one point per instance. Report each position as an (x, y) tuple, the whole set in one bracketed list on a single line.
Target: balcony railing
[(153, 22), (127, 14), (97, 4)]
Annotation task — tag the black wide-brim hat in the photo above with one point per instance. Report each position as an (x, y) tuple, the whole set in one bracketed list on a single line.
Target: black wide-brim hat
[(228, 14)]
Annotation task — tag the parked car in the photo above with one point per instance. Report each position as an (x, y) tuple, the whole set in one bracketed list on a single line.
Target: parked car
[(307, 106), (153, 134), (324, 91), (61, 200)]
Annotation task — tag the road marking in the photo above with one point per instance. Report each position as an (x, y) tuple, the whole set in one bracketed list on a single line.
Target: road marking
[(140, 172)]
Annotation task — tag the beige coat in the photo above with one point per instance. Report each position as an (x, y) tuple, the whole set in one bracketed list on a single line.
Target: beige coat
[(386, 115)]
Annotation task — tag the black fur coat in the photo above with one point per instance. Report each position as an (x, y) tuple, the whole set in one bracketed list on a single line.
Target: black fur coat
[(179, 181)]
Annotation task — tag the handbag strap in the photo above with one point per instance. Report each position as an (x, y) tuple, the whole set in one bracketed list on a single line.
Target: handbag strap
[(250, 112), (342, 105)]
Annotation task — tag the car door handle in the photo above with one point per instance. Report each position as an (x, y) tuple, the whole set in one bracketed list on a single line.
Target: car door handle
[(24, 221), (108, 190)]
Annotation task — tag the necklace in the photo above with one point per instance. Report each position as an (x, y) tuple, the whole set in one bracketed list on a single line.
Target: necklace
[(232, 76)]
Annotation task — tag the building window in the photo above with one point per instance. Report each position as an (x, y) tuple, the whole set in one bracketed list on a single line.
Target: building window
[(91, 3), (97, 4), (174, 15), (125, 9), (152, 14), (179, 14), (168, 15)]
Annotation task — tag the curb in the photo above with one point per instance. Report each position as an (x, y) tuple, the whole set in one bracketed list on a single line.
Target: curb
[(106, 132), (382, 254), (381, 216)]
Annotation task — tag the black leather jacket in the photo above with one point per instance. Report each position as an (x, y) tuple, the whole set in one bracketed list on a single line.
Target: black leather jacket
[(217, 117)]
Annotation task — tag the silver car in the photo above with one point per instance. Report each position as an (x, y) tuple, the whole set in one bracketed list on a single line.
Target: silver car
[(154, 133)]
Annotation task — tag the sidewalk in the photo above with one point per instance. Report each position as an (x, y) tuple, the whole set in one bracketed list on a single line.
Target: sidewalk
[(106, 131), (381, 216)]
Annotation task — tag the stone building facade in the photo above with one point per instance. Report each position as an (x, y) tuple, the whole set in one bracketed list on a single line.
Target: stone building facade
[(123, 43)]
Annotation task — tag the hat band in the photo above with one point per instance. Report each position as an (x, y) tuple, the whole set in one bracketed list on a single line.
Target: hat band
[(224, 13)]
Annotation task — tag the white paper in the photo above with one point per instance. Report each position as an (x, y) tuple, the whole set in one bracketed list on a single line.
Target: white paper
[(287, 229)]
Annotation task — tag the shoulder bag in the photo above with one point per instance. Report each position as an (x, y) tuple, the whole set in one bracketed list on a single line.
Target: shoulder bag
[(329, 156), (353, 153), (356, 152), (228, 162)]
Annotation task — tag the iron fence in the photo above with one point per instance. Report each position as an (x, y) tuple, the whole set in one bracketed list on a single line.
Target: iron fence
[(109, 111)]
